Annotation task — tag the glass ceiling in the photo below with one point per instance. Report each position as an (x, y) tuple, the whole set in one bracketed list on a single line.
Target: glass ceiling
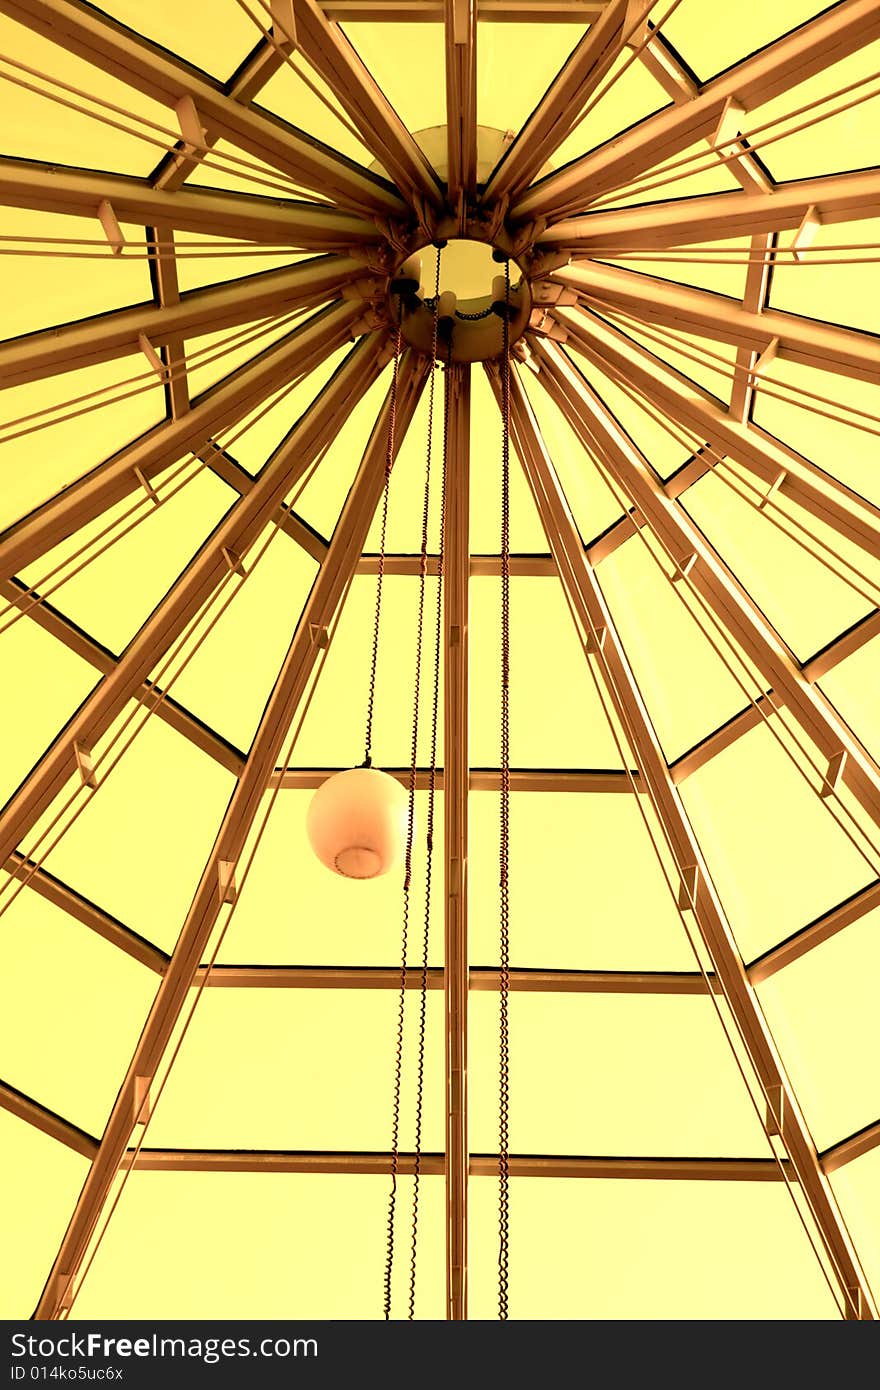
[(201, 217)]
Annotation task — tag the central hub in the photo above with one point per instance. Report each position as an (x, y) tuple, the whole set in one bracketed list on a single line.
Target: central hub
[(472, 304)]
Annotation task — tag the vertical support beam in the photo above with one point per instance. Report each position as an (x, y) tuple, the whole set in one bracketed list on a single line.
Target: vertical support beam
[(591, 615), (455, 801), (755, 297), (461, 103), (289, 690)]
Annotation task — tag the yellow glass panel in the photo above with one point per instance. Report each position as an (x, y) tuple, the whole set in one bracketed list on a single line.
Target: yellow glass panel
[(321, 499), (710, 48), (121, 586), (287, 95), (515, 65), (777, 858), (139, 847), (625, 97), (526, 532), (672, 645), (212, 357), (827, 143), (805, 600), (41, 1182), (857, 1189), (48, 458), (40, 289), (823, 1012), (610, 1074), (594, 505), (71, 1010), (645, 1250), (720, 266), (192, 33), (257, 626), (556, 719), (289, 1245), (839, 293), (662, 451), (293, 911), (853, 686), (697, 358), (397, 57), (35, 127), (43, 684), (586, 891), (299, 1069), (333, 731), (847, 451)]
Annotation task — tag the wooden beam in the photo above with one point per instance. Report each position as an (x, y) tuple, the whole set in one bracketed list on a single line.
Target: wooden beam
[(455, 804), (286, 697), (106, 337), (769, 73), (219, 408), (206, 211), (497, 11), (694, 409), (39, 1117), (460, 17), (808, 342), (236, 532), (382, 131), (755, 301), (849, 1149), (821, 929), (561, 107), (590, 613), (718, 216), (147, 68), (166, 292)]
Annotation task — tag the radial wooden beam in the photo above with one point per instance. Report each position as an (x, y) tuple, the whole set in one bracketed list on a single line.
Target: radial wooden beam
[(240, 527), (854, 1147), (806, 341), (455, 805), (769, 73), (689, 406), (718, 216), (562, 105), (209, 212), (378, 124), (735, 611), (147, 68), (460, 18), (286, 697), (598, 635), (219, 408), (107, 336)]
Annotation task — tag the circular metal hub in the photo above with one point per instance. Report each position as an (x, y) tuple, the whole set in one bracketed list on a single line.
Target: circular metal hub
[(472, 301)]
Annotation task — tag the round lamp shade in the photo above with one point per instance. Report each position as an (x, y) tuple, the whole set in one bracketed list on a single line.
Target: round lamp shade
[(357, 822)]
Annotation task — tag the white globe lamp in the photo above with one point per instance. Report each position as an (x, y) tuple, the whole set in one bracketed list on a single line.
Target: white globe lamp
[(357, 822)]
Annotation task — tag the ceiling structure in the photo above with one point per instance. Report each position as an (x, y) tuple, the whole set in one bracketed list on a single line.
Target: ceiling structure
[(197, 1021)]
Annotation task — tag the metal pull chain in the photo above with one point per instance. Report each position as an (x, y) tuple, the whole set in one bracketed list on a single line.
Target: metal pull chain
[(389, 464), (408, 861), (504, 849)]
